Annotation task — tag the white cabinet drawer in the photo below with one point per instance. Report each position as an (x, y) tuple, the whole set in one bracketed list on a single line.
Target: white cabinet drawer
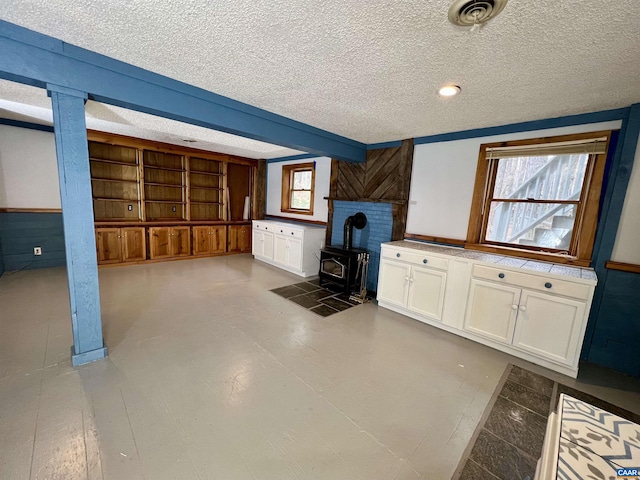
[(416, 258), (538, 282), (263, 227), (288, 232)]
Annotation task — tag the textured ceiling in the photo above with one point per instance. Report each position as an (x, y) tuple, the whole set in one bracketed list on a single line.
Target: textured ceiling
[(30, 104), (369, 70)]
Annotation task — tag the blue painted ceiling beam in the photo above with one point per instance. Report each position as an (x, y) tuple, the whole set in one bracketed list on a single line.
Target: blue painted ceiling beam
[(36, 59)]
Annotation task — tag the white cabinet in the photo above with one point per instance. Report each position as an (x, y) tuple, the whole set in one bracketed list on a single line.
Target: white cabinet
[(492, 310), (537, 312), (392, 284), (409, 282), (262, 246), (549, 326), (292, 247), (543, 324)]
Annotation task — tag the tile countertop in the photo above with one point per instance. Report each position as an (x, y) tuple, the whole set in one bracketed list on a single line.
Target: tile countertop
[(560, 270), (595, 443)]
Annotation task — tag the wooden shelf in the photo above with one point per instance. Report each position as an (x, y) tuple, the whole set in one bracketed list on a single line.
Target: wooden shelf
[(115, 180), (168, 169), (110, 221), (216, 174), (172, 185), (124, 200), (114, 162), (206, 203), (205, 188), (165, 201)]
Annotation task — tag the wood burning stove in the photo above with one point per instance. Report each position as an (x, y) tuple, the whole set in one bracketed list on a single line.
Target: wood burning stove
[(345, 268)]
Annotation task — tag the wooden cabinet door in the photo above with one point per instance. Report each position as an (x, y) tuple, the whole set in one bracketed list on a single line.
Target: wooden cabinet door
[(257, 247), (201, 240), (159, 242), (108, 245), (492, 310), (280, 250), (549, 326), (134, 247), (426, 292), (393, 283), (218, 240), (294, 255), (244, 239), (268, 245), (180, 241), (239, 239)]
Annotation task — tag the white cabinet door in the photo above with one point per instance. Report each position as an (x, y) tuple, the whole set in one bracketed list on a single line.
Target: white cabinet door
[(267, 245), (280, 250), (492, 310), (294, 260), (257, 246), (549, 326), (426, 292), (394, 282)]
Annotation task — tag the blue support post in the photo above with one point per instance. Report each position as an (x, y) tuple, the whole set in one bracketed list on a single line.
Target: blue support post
[(70, 132)]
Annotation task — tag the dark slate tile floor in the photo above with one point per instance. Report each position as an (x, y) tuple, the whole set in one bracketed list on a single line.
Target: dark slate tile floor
[(508, 445), (319, 300)]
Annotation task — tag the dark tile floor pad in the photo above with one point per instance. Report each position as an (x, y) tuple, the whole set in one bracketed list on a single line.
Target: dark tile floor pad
[(509, 438), (315, 298)]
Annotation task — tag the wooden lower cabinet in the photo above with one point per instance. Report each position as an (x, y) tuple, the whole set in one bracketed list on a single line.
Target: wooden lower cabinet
[(120, 245), (208, 240), (167, 242), (239, 239)]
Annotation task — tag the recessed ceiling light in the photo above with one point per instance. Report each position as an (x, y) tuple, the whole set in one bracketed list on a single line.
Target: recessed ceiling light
[(449, 90)]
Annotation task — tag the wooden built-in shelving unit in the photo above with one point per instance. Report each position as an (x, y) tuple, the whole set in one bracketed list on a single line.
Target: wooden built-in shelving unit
[(156, 201)]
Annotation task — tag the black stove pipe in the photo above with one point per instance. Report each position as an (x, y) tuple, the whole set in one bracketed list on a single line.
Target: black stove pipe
[(359, 220)]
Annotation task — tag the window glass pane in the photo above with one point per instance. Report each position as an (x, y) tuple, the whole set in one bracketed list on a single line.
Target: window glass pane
[(549, 177), (302, 180), (301, 200), (545, 225)]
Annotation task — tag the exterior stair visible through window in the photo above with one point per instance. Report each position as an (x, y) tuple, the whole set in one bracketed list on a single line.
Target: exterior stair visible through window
[(547, 225)]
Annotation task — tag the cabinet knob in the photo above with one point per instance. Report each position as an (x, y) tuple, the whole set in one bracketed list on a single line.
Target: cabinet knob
[(548, 285), (501, 275), (291, 233), (424, 261), (398, 255), (406, 279), (523, 308), (281, 231), (515, 307), (411, 279)]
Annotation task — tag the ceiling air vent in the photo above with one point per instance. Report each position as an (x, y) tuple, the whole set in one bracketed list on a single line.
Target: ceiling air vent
[(473, 13)]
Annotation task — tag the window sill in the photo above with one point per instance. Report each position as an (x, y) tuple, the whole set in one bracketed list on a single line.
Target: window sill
[(533, 255), (297, 212)]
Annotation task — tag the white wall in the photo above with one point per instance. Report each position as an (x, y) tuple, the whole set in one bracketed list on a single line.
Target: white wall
[(274, 189), (627, 246), (28, 169), (444, 174)]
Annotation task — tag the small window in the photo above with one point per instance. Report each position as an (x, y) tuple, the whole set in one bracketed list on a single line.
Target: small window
[(539, 196), (298, 182)]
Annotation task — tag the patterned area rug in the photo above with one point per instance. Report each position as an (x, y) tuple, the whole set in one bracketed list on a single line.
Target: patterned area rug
[(508, 441), (313, 297)]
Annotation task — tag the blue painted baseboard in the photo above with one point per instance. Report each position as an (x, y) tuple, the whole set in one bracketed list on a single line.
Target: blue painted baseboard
[(87, 357), (20, 232)]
